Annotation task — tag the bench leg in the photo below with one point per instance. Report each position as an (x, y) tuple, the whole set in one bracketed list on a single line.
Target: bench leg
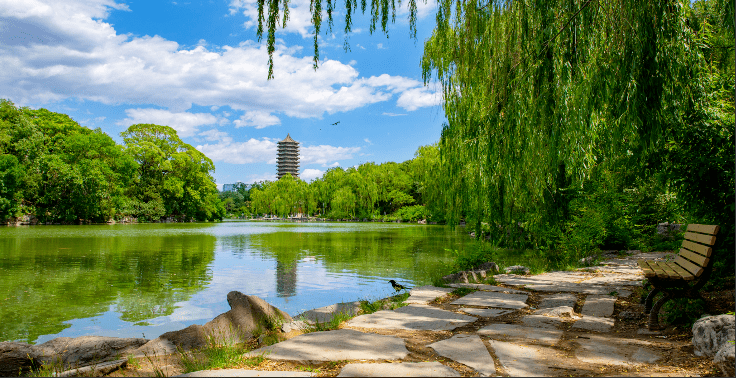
[(654, 313), (650, 300)]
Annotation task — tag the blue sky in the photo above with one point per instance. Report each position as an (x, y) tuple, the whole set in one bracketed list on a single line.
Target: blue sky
[(197, 66)]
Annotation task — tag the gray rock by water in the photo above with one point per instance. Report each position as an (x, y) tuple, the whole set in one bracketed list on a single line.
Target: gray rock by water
[(711, 333), (247, 314), (16, 358), (325, 314)]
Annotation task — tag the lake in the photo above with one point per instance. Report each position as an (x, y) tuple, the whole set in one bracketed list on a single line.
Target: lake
[(141, 280)]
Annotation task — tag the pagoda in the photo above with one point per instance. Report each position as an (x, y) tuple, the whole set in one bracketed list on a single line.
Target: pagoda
[(288, 157)]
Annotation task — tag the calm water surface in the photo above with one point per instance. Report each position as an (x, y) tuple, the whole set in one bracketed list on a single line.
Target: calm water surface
[(146, 279)]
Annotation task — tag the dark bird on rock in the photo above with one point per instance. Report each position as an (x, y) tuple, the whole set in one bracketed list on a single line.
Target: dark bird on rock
[(397, 287)]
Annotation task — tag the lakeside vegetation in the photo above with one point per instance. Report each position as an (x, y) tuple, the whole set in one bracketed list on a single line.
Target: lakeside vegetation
[(57, 171)]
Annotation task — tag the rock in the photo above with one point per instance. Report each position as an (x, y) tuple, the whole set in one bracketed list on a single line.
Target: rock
[(248, 314), (489, 265), (630, 315), (96, 370), (85, 350), (559, 312), (710, 333), (296, 325), (422, 221), (667, 229), (16, 358), (517, 269), (724, 359)]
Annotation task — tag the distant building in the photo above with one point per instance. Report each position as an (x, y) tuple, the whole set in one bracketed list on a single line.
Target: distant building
[(231, 187), (288, 157)]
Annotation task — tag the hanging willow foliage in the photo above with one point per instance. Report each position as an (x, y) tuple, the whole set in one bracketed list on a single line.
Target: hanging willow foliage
[(538, 92)]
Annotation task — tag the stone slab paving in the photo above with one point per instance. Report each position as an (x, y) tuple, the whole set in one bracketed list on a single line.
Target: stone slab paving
[(540, 321), (559, 312), (611, 351), (593, 323), (341, 344), (325, 314), (516, 332), (400, 369), (413, 317), (426, 294), (580, 288), (598, 305), (524, 360), (485, 287), (493, 299), (245, 373), (485, 312), (557, 300), (468, 350)]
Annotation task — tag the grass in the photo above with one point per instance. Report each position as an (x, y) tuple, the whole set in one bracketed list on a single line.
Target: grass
[(391, 303), (218, 357)]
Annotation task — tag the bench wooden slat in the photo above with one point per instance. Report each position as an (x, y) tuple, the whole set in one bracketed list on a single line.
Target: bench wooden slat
[(657, 269), (671, 273), (687, 276), (648, 272), (700, 238), (694, 257), (690, 267), (699, 248), (703, 228)]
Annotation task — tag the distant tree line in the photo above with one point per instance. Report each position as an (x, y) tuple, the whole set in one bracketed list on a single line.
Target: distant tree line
[(387, 191), (60, 172)]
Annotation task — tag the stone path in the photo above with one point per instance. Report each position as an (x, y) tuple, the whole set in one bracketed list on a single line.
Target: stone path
[(566, 332)]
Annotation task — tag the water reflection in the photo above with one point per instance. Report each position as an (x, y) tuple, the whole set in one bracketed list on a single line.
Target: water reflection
[(125, 280)]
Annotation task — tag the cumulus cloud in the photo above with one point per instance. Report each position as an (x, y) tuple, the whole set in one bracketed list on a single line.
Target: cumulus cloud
[(251, 151), (215, 135), (259, 119), (324, 154), (415, 98), (310, 174), (185, 124), (56, 50)]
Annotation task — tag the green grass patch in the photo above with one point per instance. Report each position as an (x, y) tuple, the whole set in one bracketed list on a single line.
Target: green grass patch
[(538, 261), (218, 357), (392, 303), (463, 291)]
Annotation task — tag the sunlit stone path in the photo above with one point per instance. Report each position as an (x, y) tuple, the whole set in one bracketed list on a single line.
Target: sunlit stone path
[(552, 324)]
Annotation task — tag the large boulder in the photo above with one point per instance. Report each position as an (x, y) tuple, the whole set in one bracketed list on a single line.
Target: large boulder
[(725, 359), (16, 358), (248, 316), (69, 352), (81, 351), (711, 333)]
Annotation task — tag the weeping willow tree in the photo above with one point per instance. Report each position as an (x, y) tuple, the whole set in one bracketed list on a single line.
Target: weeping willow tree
[(537, 93)]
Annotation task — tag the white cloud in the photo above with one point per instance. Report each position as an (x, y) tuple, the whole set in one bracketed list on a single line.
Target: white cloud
[(299, 17), (380, 46), (393, 114), (333, 165), (257, 118), (310, 174), (184, 123), (215, 135), (367, 141), (415, 98), (61, 49), (324, 154), (251, 151)]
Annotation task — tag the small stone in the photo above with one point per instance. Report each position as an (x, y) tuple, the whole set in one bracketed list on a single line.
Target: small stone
[(560, 312), (398, 369), (598, 305), (485, 312), (558, 300), (594, 323), (493, 299)]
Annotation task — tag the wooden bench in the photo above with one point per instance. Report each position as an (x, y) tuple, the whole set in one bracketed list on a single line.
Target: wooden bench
[(685, 275)]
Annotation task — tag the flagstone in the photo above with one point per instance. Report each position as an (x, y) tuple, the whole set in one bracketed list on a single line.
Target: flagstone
[(557, 300), (487, 288), (515, 332), (342, 344), (493, 299), (468, 350), (485, 312), (398, 369), (598, 305), (593, 323), (413, 317), (426, 294)]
